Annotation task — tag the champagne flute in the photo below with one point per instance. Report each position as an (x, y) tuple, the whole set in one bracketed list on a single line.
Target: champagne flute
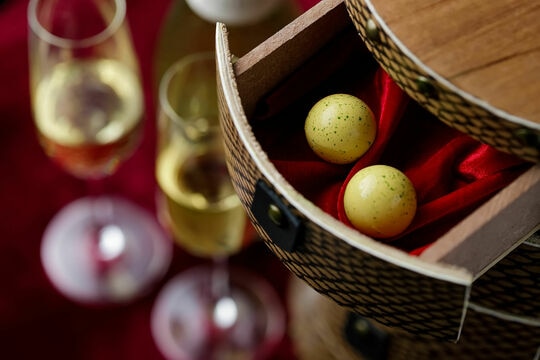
[(88, 106), (210, 311)]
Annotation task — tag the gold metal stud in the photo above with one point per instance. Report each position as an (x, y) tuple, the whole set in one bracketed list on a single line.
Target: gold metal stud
[(275, 215), (372, 30), (528, 137), (426, 87), (361, 327)]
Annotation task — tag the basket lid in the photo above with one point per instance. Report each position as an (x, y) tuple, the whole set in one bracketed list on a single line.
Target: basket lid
[(476, 65)]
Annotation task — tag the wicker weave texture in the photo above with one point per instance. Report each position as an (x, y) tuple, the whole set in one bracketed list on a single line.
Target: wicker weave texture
[(318, 330), (513, 284)]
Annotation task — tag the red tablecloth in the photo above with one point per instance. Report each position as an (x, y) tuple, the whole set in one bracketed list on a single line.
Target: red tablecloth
[(35, 321)]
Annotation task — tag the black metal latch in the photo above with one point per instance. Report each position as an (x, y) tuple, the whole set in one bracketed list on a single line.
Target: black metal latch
[(281, 225), (370, 341)]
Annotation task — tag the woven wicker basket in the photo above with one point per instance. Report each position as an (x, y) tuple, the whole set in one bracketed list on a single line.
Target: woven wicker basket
[(431, 294)]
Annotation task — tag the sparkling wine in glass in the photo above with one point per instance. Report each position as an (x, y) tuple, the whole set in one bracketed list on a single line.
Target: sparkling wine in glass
[(212, 311), (88, 108)]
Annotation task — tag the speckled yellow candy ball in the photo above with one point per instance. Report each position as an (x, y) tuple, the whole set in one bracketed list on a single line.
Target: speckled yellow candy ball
[(380, 201), (340, 128)]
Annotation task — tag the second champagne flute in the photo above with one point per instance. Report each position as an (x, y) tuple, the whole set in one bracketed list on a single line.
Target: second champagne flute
[(208, 312)]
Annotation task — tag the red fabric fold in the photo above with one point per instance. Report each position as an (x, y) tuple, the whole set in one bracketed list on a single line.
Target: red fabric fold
[(448, 188), (451, 172)]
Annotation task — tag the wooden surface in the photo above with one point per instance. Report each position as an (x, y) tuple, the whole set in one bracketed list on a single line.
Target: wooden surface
[(489, 49)]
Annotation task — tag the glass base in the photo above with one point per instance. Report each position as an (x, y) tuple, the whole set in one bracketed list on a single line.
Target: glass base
[(104, 250), (189, 323)]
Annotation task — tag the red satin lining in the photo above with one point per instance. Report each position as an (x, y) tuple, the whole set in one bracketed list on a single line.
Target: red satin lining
[(451, 172)]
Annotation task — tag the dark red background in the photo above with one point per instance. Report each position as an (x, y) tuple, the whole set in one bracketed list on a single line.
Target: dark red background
[(35, 321)]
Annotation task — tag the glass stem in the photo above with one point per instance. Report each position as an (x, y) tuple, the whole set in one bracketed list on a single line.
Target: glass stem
[(108, 239), (220, 287), (225, 309), (95, 190), (95, 187)]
